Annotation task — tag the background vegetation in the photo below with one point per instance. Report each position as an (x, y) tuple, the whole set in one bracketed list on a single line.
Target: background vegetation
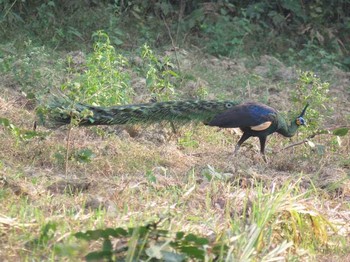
[(316, 31), (145, 193)]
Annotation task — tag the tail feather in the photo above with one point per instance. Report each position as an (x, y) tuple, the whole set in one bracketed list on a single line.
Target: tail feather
[(61, 112)]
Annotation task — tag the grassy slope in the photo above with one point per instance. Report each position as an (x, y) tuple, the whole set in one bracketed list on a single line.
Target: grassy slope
[(140, 174)]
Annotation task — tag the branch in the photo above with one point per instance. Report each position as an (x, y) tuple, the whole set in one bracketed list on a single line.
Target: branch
[(316, 133), (173, 44)]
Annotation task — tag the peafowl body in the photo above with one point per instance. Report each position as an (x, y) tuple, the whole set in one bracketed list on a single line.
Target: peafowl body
[(254, 119), (257, 120)]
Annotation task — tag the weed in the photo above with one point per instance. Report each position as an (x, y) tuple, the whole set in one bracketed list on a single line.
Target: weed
[(21, 134), (159, 74), (104, 82), (187, 140), (33, 69), (310, 89)]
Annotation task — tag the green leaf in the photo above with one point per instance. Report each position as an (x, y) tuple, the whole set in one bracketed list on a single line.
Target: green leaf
[(84, 155), (193, 252), (5, 122), (180, 235), (89, 235), (197, 240), (99, 255), (342, 131), (107, 245), (31, 95), (172, 73), (99, 233), (117, 232), (202, 241), (191, 237)]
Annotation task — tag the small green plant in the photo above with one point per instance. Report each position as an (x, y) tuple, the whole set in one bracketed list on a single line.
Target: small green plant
[(47, 233), (32, 68), (310, 89), (104, 82), (84, 155), (151, 177), (19, 133), (187, 140), (148, 242), (159, 74)]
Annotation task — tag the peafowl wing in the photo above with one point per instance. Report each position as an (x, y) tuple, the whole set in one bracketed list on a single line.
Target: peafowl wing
[(254, 115)]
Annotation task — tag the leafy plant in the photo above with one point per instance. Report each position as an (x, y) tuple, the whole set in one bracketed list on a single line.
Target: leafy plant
[(19, 133), (104, 82), (147, 242), (226, 36), (187, 140), (159, 74), (84, 155), (151, 177), (310, 89), (30, 69)]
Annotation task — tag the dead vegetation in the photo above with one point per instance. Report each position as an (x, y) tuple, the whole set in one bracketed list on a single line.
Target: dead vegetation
[(138, 174)]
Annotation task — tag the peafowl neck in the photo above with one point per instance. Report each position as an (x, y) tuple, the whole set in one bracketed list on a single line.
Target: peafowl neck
[(285, 129)]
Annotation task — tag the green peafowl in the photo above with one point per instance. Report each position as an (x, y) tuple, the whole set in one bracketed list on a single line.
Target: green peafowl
[(254, 119)]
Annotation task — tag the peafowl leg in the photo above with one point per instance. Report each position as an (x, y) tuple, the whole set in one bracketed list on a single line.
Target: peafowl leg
[(262, 147), (243, 138), (173, 127)]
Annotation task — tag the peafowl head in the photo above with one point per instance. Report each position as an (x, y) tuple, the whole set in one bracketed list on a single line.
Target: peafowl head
[(300, 121)]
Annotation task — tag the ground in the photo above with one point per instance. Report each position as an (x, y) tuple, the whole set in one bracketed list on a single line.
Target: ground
[(134, 175)]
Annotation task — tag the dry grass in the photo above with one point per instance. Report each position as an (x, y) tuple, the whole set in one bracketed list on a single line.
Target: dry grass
[(140, 174)]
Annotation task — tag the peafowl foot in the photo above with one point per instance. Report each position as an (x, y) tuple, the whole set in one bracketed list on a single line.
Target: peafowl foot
[(236, 150)]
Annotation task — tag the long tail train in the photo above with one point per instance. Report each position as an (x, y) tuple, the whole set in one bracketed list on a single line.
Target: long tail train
[(61, 112)]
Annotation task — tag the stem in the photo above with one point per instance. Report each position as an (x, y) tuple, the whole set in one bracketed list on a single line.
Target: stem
[(67, 151), (173, 44), (316, 133)]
